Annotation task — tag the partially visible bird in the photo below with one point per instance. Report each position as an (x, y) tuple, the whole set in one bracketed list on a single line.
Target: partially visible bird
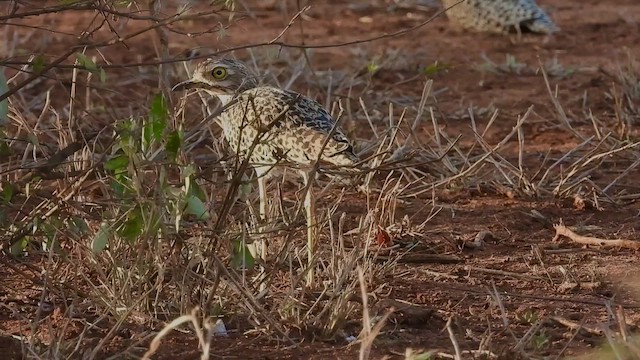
[(500, 16), (272, 127)]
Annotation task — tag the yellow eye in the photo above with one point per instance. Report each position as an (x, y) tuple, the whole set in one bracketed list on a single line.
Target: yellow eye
[(219, 73)]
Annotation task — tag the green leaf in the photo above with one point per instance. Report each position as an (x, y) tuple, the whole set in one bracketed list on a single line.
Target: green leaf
[(187, 171), (4, 104), (86, 62), (134, 226), (435, 68), (372, 68), (196, 190), (241, 257), (5, 221), (4, 146), (33, 139), (174, 141), (101, 239), (119, 185), (159, 109), (196, 207), (103, 76), (125, 127), (38, 64), (158, 113), (7, 192), (19, 247), (78, 226), (117, 163)]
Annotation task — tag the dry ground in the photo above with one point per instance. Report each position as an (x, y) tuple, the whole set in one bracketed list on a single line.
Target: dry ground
[(508, 296)]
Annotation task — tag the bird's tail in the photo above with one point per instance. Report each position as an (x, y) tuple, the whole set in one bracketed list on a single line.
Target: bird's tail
[(543, 25)]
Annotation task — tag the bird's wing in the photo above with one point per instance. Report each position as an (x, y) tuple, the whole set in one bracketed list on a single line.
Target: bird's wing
[(299, 119), (311, 118)]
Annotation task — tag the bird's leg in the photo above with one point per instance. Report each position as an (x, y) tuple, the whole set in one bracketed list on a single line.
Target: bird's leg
[(264, 206), (258, 248), (310, 213), (262, 193)]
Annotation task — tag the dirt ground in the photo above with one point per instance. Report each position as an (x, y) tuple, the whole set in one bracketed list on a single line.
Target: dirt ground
[(537, 279)]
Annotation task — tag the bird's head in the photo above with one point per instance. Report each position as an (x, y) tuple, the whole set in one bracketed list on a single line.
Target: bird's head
[(220, 77)]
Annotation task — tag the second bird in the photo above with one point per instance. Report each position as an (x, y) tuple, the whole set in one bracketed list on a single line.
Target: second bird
[(500, 16)]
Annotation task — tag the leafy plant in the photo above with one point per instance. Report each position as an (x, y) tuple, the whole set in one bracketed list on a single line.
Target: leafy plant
[(4, 104)]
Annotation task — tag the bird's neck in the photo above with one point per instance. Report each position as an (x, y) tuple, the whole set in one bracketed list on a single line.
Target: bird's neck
[(225, 99)]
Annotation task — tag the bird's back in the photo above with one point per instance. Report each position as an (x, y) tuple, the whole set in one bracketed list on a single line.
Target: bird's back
[(289, 128), (500, 16)]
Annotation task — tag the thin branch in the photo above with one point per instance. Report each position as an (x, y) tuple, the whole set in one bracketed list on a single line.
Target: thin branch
[(562, 230)]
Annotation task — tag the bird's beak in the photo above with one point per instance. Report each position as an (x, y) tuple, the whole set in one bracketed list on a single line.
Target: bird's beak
[(185, 85)]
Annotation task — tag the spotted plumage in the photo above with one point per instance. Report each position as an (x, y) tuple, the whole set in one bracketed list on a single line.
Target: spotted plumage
[(270, 125), (500, 16)]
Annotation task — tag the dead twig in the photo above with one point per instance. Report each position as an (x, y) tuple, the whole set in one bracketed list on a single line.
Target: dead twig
[(562, 230), (423, 259), (575, 326), (369, 331), (501, 273), (454, 341)]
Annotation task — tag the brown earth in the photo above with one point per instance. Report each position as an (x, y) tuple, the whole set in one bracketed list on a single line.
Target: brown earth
[(530, 270)]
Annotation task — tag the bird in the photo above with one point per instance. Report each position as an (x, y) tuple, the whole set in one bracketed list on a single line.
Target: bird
[(268, 127), (500, 16)]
